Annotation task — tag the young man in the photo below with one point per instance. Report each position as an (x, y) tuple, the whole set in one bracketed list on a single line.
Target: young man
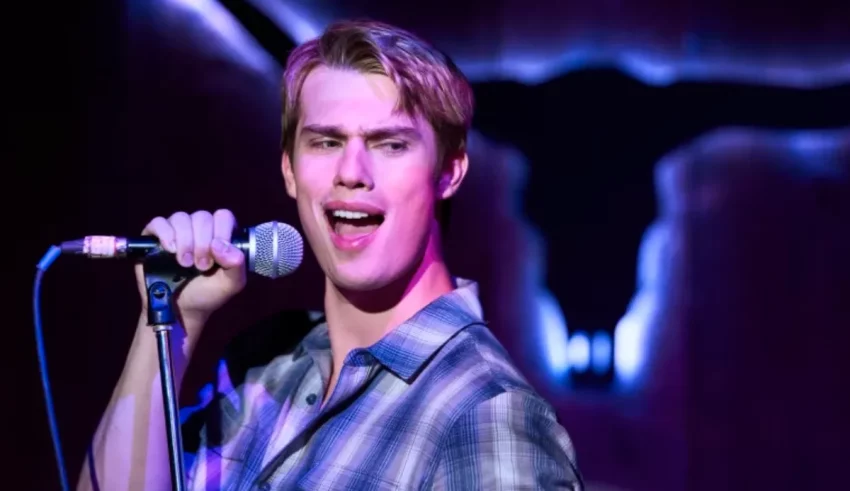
[(401, 386)]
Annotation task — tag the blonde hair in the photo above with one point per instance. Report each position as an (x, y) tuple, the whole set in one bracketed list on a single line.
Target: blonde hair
[(428, 82)]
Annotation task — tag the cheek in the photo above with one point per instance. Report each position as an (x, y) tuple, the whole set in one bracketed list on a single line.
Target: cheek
[(310, 182), (413, 192), (310, 191)]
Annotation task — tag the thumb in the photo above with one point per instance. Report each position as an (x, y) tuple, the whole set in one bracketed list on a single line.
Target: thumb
[(227, 255)]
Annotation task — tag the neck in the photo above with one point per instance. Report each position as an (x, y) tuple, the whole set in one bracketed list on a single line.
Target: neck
[(360, 319)]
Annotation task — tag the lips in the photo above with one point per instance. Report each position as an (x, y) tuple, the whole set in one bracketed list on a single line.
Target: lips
[(352, 224)]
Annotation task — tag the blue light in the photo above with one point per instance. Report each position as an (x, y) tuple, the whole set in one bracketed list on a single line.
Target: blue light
[(232, 39), (655, 69), (819, 152), (656, 256), (638, 59), (292, 18), (555, 334), (578, 352), (601, 352), (810, 153)]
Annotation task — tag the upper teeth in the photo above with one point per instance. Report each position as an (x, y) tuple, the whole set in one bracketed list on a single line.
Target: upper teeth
[(351, 215)]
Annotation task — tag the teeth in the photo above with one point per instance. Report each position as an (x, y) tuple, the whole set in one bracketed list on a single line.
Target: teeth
[(350, 215)]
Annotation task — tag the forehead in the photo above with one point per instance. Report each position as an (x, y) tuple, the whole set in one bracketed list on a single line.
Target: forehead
[(350, 99)]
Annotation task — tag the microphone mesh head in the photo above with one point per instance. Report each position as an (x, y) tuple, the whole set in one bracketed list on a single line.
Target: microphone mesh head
[(276, 249)]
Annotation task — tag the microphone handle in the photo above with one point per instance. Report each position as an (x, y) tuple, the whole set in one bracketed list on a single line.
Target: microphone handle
[(108, 246)]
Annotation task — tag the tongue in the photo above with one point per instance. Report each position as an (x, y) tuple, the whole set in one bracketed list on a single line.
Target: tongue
[(354, 227)]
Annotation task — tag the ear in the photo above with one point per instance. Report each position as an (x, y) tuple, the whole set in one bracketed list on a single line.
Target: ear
[(288, 176), (454, 171)]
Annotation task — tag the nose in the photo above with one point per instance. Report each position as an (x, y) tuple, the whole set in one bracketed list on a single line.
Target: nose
[(354, 168)]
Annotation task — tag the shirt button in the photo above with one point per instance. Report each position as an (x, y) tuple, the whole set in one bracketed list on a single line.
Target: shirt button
[(265, 486), (311, 399)]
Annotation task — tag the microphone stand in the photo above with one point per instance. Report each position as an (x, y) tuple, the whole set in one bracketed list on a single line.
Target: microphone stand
[(163, 278)]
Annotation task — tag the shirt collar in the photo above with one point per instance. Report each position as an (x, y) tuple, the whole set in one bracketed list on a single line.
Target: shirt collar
[(406, 349)]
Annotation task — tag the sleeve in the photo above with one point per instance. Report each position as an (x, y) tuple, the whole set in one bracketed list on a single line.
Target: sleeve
[(211, 425), (509, 442)]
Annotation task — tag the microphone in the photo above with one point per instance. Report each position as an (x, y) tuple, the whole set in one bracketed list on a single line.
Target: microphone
[(273, 249)]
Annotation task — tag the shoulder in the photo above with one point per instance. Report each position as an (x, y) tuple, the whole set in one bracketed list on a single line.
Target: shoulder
[(510, 441), (505, 435), (492, 382), (476, 350)]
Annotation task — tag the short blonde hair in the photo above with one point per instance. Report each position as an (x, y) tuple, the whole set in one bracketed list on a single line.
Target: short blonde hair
[(428, 81)]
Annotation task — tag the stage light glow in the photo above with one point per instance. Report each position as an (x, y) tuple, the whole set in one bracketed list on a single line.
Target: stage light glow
[(233, 39), (809, 153), (555, 334), (578, 352), (630, 339), (656, 70), (293, 19), (819, 152), (641, 60), (601, 352), (655, 264)]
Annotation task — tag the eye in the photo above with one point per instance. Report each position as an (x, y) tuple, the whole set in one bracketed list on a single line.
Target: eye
[(324, 144), (394, 147)]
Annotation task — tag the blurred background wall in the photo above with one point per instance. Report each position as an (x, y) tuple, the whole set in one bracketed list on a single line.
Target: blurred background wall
[(658, 211)]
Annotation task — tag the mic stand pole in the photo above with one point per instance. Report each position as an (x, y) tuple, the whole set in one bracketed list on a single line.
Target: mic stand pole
[(163, 278)]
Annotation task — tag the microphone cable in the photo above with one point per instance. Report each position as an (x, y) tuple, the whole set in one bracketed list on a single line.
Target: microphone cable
[(42, 266)]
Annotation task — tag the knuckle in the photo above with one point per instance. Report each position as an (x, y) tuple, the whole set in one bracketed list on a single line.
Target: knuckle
[(158, 225), (224, 216), (178, 216), (202, 244), (201, 216), (181, 224), (224, 222), (223, 213)]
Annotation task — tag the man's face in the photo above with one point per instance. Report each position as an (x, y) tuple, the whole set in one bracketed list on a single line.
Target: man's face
[(364, 178)]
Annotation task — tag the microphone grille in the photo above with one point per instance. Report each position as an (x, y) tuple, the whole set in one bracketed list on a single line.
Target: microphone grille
[(276, 249)]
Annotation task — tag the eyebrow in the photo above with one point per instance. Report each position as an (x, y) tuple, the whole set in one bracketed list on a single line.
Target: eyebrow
[(378, 133)]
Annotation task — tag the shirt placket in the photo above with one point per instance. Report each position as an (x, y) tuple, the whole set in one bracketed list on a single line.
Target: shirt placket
[(358, 369), (301, 409)]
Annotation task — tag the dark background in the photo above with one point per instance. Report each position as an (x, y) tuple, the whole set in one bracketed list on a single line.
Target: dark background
[(724, 127)]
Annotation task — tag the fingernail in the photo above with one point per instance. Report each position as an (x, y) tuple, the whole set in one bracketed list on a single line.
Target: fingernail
[(218, 245), (203, 263), (187, 259), (171, 246)]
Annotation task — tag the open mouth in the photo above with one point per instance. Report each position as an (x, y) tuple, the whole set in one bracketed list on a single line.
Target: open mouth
[(352, 224)]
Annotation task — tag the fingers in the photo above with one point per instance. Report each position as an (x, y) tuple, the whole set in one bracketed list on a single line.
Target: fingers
[(201, 239), (184, 237), (223, 251), (161, 228), (224, 223), (202, 226)]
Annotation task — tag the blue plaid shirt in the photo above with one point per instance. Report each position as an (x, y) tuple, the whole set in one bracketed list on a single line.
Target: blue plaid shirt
[(435, 404)]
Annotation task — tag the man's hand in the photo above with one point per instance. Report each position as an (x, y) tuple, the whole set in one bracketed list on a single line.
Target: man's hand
[(201, 239)]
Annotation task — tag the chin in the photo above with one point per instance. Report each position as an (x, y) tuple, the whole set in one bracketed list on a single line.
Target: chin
[(358, 280)]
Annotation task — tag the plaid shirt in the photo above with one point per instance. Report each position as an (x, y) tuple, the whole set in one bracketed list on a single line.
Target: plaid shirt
[(435, 404)]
